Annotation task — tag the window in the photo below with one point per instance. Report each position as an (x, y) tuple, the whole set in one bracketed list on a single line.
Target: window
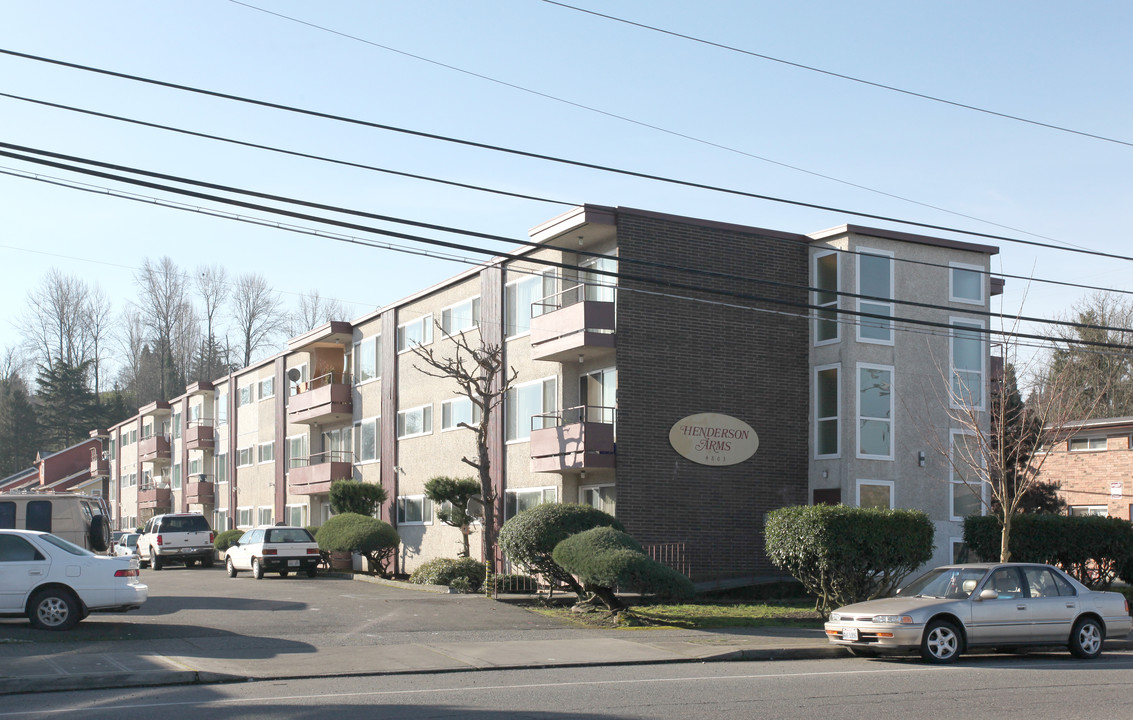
[(293, 386), (875, 412), (37, 515), (415, 422), (826, 326), (265, 452), (296, 515), (368, 359), (518, 299), (297, 452), (968, 491), (458, 410), (244, 457), (195, 466), (516, 501), (967, 364), (244, 517), (264, 516), (176, 476), (417, 332), (1092, 444), (222, 408), (602, 497), (8, 515), (266, 388), (338, 444), (177, 425), (1076, 510), (875, 494), (525, 401), (960, 552), (598, 391), (965, 283), (368, 437), (221, 465), (593, 273), (243, 396), (414, 510), (219, 520), (460, 317), (875, 279), (826, 422)]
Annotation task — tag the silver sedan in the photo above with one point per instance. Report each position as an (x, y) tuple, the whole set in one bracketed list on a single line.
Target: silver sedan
[(957, 608)]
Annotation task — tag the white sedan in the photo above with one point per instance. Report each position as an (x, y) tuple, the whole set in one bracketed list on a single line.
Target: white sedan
[(278, 548), (56, 583)]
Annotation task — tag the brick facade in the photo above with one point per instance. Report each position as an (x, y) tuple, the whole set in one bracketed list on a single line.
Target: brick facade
[(1086, 476)]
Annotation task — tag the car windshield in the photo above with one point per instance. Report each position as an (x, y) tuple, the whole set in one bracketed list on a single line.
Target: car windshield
[(947, 582), (64, 545), (288, 535), (130, 540)]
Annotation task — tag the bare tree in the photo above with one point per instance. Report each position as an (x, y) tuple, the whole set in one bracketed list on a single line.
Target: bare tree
[(213, 289), (314, 310), (98, 322), (53, 325), (480, 375), (163, 307), (257, 313)]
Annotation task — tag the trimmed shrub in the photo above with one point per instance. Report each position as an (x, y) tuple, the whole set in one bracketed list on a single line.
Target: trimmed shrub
[(226, 539), (352, 496), (529, 538), (605, 559), (1095, 550), (844, 555), (448, 571), (351, 532)]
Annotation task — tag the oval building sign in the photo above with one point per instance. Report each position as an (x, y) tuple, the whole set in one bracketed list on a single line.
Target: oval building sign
[(713, 439)]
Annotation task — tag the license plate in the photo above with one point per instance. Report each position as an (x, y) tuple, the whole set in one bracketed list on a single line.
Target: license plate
[(292, 563), (850, 634)]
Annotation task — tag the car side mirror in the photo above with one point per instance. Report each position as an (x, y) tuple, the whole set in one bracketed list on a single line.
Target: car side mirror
[(988, 594)]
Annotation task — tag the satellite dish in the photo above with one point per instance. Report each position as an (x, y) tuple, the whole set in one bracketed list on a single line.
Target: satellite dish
[(294, 375)]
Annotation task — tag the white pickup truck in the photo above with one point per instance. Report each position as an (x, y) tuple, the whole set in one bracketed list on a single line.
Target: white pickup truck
[(176, 538)]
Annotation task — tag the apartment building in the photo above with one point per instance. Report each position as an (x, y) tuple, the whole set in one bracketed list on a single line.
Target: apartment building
[(670, 370), (1093, 466)]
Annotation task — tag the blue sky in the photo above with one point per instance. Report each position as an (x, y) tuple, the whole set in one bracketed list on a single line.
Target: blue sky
[(1051, 62)]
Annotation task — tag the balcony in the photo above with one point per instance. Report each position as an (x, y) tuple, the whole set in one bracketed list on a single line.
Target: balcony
[(154, 448), (313, 475), (324, 400), (99, 465), (573, 440), (570, 326), (199, 435), (152, 497), (201, 490)]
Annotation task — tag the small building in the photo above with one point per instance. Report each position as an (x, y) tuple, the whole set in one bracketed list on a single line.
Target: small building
[(1093, 467)]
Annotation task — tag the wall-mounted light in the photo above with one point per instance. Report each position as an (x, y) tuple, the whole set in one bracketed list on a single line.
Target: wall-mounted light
[(825, 474), (920, 458)]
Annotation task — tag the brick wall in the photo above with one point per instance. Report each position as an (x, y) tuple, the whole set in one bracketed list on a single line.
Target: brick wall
[(678, 357), (1085, 476)]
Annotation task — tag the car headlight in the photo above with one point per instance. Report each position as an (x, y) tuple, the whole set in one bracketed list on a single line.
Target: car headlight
[(835, 617), (892, 619)]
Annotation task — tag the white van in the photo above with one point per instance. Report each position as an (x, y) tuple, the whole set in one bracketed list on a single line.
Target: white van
[(81, 519)]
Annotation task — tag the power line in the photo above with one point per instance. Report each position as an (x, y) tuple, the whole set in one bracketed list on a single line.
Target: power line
[(563, 161), (501, 238), (842, 76), (618, 275)]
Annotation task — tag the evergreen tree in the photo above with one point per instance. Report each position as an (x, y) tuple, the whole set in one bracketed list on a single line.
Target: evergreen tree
[(67, 408), (19, 431), (1014, 427)]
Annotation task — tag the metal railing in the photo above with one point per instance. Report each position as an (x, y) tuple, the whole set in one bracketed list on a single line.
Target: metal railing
[(328, 456), (574, 415)]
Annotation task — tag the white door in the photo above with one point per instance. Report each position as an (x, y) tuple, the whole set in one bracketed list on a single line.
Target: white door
[(22, 567)]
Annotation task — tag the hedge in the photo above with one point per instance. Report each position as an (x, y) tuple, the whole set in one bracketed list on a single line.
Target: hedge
[(1095, 550), (844, 555), (226, 539), (353, 496), (604, 559), (351, 532), (447, 571)]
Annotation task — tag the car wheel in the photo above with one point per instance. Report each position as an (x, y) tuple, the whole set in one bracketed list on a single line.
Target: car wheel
[(257, 569), (154, 560), (312, 571), (230, 568), (941, 642), (54, 609), (1086, 639), (207, 562), (284, 573)]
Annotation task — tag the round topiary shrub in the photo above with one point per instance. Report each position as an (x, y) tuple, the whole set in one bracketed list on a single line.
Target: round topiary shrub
[(351, 532), (226, 539), (529, 538), (464, 574)]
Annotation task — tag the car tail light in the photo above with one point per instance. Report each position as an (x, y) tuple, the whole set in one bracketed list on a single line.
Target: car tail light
[(270, 551), (158, 539), (133, 572), (312, 551), (212, 537)]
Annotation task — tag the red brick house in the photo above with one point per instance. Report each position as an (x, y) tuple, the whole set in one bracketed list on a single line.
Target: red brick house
[(1094, 467)]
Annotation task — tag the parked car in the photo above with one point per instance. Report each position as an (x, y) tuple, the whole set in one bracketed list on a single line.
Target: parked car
[(81, 519), (56, 583), (953, 609), (281, 548), (126, 544), (176, 538)]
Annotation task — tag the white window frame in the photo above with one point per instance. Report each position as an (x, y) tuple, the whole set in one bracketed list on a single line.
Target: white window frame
[(469, 309), (596, 486), (892, 419), (533, 278), (953, 482), (245, 394), (952, 296), (426, 421), (1090, 439), (220, 519), (358, 433), (879, 483), (260, 515), (375, 346), (289, 459), (518, 491), (220, 467), (426, 510), (977, 327), (525, 426), (251, 455), (265, 448), (862, 321), (833, 305), (837, 417), (1099, 510), (175, 476), (265, 388), (241, 521), (405, 343), (221, 408), (288, 509), (447, 408), (175, 425)]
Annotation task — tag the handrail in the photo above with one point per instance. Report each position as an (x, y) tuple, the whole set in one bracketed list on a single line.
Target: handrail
[(571, 416)]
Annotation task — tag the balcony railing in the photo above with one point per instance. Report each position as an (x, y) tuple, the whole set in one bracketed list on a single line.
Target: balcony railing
[(571, 325), (154, 448), (99, 464), (154, 497), (325, 399), (313, 475), (574, 439), (200, 489), (199, 435)]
